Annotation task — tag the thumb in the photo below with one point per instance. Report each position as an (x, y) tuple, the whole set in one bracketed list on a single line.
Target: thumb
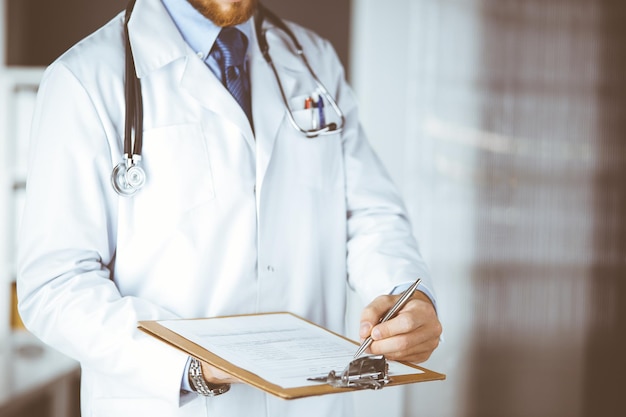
[(372, 313)]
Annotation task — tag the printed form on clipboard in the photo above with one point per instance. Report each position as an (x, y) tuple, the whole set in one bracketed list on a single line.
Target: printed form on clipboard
[(281, 354)]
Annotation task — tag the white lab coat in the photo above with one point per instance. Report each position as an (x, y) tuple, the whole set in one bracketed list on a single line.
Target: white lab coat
[(229, 222)]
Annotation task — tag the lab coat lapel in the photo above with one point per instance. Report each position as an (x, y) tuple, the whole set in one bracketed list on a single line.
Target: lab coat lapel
[(268, 108), (156, 42), (204, 86)]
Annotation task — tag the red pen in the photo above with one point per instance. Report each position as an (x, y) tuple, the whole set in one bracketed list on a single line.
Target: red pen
[(308, 105)]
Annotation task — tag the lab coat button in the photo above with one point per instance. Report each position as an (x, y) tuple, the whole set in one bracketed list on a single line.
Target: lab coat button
[(270, 268)]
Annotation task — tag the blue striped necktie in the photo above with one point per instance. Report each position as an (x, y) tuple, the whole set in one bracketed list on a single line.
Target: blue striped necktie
[(229, 51)]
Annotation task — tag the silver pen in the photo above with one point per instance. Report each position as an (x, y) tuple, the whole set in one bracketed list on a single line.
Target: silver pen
[(396, 307)]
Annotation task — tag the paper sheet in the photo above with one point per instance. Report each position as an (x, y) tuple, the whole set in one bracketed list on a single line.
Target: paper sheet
[(279, 348)]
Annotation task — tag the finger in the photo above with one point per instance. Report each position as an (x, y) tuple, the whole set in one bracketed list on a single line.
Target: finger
[(415, 346), (396, 349), (402, 340), (214, 375), (405, 341), (373, 312)]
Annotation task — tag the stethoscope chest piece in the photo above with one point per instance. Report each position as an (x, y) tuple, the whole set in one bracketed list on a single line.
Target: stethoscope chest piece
[(127, 178)]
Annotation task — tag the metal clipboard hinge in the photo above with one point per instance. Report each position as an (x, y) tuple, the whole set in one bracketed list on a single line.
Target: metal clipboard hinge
[(365, 372)]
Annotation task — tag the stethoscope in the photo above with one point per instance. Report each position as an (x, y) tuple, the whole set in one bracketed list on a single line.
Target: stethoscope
[(128, 176)]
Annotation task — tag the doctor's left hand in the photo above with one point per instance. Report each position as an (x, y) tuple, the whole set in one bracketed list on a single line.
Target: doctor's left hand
[(412, 335), (212, 375)]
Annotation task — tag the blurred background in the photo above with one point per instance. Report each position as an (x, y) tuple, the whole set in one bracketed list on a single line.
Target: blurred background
[(501, 121)]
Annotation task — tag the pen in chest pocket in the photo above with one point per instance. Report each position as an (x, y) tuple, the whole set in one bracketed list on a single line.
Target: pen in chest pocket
[(315, 104), (309, 104), (320, 110)]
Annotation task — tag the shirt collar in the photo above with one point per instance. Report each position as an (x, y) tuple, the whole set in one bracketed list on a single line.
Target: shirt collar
[(199, 32)]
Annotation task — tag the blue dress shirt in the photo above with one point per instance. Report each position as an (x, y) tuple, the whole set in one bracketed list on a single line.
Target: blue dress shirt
[(199, 32)]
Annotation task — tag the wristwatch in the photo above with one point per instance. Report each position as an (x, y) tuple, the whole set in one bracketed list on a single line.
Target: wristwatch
[(200, 385)]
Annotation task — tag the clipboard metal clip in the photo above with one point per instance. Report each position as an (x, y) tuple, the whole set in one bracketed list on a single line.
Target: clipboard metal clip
[(365, 372)]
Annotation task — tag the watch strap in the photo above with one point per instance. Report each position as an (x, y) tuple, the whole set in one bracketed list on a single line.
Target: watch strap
[(199, 384)]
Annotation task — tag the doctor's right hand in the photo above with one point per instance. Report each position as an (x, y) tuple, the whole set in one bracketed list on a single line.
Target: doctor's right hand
[(412, 335), (212, 375)]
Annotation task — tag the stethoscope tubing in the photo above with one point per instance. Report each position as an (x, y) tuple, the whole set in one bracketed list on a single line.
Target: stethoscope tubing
[(262, 13), (128, 176), (133, 131)]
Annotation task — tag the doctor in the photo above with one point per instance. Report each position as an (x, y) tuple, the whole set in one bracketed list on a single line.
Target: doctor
[(240, 212)]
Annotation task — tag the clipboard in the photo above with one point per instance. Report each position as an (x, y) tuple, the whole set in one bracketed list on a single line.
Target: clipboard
[(160, 331)]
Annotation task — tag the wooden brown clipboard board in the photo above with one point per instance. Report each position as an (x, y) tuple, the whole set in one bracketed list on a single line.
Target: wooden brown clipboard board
[(155, 329)]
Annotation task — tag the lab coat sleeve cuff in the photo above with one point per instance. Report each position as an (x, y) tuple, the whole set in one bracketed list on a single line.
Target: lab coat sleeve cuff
[(186, 397), (184, 381), (186, 392)]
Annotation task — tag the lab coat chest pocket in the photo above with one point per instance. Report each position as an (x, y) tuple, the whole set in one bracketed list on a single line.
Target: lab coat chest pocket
[(178, 172), (314, 162)]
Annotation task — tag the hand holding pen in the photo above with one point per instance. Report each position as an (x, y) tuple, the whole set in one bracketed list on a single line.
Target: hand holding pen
[(408, 330), (396, 307)]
